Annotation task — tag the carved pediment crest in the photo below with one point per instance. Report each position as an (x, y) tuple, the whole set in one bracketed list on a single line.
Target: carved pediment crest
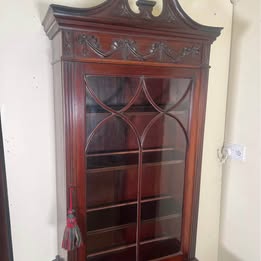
[(118, 12)]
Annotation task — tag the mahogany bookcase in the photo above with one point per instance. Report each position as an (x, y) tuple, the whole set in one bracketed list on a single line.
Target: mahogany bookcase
[(130, 96)]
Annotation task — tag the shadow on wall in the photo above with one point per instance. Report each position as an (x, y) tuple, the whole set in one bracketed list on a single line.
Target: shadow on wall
[(226, 255)]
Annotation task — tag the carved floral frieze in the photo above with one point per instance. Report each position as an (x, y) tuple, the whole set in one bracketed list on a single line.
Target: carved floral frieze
[(128, 49)]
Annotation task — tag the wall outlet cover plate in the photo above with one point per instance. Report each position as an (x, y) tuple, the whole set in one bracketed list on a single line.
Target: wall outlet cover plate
[(235, 151)]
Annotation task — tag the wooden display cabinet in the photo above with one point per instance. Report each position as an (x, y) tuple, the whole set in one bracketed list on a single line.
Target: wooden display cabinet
[(130, 98)]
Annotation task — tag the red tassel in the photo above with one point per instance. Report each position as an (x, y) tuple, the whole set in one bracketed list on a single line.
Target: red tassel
[(72, 238)]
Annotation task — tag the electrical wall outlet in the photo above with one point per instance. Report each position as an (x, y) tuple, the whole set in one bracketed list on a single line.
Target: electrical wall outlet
[(235, 151)]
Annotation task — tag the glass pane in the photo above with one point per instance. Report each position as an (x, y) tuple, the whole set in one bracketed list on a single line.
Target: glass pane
[(112, 169), (114, 135), (113, 187), (163, 171), (114, 92), (113, 238), (168, 93), (166, 133)]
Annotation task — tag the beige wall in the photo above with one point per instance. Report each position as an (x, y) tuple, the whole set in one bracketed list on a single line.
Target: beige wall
[(240, 220), (212, 12), (27, 107)]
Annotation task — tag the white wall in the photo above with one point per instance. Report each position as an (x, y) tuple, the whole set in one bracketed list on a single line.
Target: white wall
[(27, 110), (27, 107), (240, 220)]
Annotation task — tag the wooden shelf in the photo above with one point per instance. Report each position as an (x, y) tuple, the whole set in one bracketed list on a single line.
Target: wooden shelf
[(123, 160), (150, 250), (158, 219), (110, 153), (109, 229), (113, 228), (156, 198), (126, 253), (135, 109), (112, 250), (152, 230), (125, 167), (93, 209), (119, 217), (144, 242)]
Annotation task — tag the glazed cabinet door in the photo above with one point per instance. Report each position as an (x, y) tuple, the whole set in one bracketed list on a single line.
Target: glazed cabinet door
[(137, 139)]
